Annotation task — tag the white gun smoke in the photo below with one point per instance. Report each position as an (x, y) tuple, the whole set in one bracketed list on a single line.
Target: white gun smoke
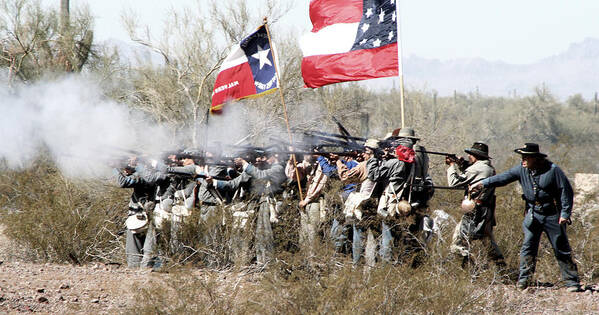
[(82, 130)]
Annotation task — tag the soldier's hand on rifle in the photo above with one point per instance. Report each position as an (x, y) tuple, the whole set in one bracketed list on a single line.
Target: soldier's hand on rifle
[(303, 203), (449, 160), (476, 187), (209, 180)]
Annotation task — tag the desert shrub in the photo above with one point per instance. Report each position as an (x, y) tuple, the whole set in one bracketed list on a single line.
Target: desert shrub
[(198, 242), (208, 242), (287, 288), (60, 219)]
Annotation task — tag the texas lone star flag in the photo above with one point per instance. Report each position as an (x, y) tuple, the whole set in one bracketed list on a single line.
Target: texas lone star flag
[(248, 71), (350, 40)]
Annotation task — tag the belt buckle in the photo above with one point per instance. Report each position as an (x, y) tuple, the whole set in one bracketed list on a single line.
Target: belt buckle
[(538, 203)]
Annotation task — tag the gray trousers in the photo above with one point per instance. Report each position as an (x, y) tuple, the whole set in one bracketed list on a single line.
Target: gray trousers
[(364, 243), (263, 240), (309, 222), (339, 236), (534, 225), (140, 248), (460, 244)]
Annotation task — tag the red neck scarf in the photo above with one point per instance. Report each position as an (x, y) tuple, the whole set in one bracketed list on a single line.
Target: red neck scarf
[(405, 154)]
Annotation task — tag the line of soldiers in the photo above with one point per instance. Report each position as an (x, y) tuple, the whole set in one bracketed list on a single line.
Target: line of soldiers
[(385, 193)]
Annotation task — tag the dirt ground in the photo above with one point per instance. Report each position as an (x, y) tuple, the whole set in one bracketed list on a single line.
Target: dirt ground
[(110, 289)]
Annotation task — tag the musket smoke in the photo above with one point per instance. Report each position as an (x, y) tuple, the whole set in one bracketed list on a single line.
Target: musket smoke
[(77, 126)]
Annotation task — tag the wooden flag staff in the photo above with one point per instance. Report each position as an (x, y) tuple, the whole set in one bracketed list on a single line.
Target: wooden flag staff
[(400, 64), (299, 185)]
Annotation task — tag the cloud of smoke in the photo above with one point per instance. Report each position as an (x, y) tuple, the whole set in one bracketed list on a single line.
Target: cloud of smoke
[(84, 132), (81, 130)]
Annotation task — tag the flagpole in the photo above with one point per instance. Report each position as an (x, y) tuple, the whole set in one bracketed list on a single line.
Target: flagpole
[(299, 185), (400, 63)]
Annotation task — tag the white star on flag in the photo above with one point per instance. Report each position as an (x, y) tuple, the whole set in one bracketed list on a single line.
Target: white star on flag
[(381, 16), (365, 27), (262, 55), (390, 36), (362, 42), (392, 1), (369, 13), (393, 17), (376, 43)]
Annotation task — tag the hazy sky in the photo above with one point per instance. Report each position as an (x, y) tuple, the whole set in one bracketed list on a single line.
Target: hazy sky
[(515, 31)]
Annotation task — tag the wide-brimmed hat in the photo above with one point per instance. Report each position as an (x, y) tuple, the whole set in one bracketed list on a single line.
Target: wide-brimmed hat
[(137, 223), (372, 143), (407, 132), (392, 134), (531, 149), (479, 149)]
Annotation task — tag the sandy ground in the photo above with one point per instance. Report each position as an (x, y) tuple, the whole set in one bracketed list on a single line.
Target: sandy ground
[(110, 289)]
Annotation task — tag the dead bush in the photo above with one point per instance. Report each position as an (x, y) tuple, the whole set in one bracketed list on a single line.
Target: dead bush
[(60, 219)]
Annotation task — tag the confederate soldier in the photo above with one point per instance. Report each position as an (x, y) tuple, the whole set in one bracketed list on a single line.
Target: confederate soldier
[(549, 199), (141, 238), (421, 184), (312, 206), (393, 174), (266, 180), (340, 231), (359, 206), (477, 223)]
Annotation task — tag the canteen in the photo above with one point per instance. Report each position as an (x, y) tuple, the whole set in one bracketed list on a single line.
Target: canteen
[(468, 204)]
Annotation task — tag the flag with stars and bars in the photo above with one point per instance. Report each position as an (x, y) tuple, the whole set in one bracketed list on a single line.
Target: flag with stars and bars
[(350, 40), (248, 71)]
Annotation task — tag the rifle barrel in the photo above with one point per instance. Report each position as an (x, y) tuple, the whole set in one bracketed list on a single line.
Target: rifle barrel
[(437, 153), (315, 153), (336, 135), (194, 176), (448, 187)]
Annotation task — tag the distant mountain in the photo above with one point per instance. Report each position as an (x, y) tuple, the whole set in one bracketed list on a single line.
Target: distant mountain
[(573, 71)]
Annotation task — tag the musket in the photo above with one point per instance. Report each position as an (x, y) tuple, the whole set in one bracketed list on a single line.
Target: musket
[(462, 163), (335, 135), (340, 126), (350, 153), (450, 155), (342, 143), (442, 187), (194, 176)]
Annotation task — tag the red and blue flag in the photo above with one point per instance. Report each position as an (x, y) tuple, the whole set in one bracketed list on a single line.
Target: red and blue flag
[(350, 40), (248, 71)]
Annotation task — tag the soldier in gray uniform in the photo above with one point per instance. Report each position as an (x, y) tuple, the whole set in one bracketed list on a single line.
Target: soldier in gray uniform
[(393, 174), (549, 198), (265, 179), (140, 246), (479, 222)]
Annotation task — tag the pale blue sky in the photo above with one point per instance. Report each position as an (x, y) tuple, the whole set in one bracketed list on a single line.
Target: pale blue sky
[(514, 31)]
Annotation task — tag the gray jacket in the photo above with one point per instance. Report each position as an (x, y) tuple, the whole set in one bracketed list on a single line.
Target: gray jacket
[(260, 182), (475, 173), (144, 184), (391, 173)]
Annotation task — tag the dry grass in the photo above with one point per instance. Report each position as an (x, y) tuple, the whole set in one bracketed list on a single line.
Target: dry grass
[(59, 219)]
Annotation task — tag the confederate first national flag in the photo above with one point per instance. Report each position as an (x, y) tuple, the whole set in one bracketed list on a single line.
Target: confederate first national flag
[(248, 71), (350, 40)]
